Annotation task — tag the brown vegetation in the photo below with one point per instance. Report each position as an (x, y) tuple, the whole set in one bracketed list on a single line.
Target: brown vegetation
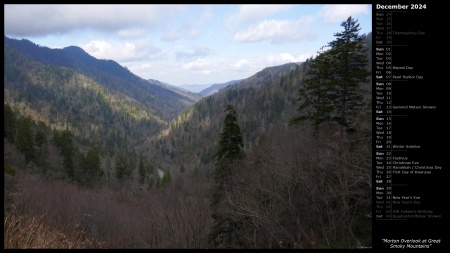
[(294, 191), (56, 214), (28, 232)]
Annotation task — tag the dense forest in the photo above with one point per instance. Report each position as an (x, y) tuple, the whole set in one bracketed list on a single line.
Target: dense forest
[(95, 157)]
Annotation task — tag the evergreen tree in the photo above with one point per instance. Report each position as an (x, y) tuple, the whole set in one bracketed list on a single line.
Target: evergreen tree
[(67, 150), (331, 90), (25, 138), (182, 168), (349, 53), (142, 171), (229, 152), (92, 171), (230, 142), (40, 137), (9, 131), (64, 142), (123, 169), (164, 180), (318, 92)]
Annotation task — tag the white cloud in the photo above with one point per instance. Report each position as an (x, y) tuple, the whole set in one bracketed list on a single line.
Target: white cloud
[(154, 70), (131, 33), (274, 60), (194, 52), (255, 13), (206, 15), (180, 33), (304, 57), (240, 63), (199, 45), (340, 12), (139, 68), (123, 51), (200, 64), (278, 31), (172, 35), (224, 67), (42, 19)]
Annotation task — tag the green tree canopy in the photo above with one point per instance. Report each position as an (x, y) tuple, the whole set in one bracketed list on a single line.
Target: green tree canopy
[(25, 138), (318, 92), (331, 90), (64, 142), (123, 169), (229, 151), (92, 166), (349, 53), (143, 173), (230, 142), (9, 123)]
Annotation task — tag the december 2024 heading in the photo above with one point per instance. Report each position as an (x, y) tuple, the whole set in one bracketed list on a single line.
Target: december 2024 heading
[(401, 6)]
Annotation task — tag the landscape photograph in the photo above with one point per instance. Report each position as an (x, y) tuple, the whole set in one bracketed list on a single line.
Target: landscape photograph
[(187, 126)]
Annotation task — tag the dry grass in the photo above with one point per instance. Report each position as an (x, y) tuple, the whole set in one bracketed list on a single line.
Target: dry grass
[(42, 213), (27, 232)]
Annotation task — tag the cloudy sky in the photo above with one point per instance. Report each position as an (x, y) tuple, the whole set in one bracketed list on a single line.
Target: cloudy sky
[(186, 44)]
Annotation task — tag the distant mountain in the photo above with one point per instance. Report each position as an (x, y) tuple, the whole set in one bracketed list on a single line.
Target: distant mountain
[(95, 124), (98, 100), (205, 89), (216, 87), (194, 96), (163, 102), (166, 84), (197, 88), (265, 100)]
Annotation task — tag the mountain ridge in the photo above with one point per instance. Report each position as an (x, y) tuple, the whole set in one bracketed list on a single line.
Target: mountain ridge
[(110, 74)]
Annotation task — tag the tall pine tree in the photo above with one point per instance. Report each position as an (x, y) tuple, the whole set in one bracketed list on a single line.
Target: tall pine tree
[(349, 53), (9, 123), (229, 152), (25, 138), (64, 142), (142, 171), (91, 166), (332, 87), (318, 92)]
